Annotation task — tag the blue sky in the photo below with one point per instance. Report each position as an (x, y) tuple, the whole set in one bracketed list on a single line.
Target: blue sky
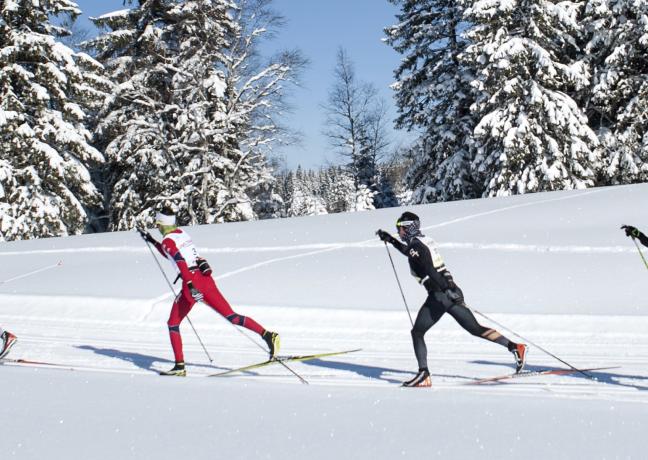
[(318, 28)]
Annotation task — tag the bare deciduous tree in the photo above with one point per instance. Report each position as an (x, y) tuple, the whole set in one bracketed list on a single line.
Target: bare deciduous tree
[(356, 120)]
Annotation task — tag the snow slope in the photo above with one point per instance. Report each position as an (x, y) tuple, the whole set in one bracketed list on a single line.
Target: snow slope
[(552, 267)]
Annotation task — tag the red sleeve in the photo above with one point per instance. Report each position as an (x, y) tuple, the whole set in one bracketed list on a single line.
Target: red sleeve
[(171, 249)]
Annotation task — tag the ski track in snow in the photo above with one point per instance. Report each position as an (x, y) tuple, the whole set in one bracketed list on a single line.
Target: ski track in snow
[(372, 243), (386, 358), (103, 319), (324, 247)]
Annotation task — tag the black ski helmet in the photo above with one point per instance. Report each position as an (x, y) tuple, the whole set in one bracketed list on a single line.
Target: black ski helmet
[(406, 219)]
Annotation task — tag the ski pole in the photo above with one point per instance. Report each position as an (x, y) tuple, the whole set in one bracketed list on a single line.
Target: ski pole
[(399, 285), (24, 275), (535, 345), (634, 240), (301, 379), (174, 295)]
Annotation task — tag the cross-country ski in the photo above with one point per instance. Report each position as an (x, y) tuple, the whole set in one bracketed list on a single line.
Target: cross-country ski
[(536, 373), (29, 362), (278, 359)]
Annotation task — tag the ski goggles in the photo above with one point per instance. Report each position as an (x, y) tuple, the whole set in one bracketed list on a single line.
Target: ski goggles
[(404, 223)]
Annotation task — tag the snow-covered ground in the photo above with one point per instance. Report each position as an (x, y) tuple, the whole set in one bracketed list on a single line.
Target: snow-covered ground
[(554, 268)]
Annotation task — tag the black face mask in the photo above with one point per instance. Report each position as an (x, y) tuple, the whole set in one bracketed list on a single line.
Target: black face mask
[(411, 231)]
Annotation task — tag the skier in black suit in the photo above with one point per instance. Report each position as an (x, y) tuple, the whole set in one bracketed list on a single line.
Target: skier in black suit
[(444, 296)]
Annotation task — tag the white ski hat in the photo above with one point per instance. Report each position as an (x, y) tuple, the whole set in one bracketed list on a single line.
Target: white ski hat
[(165, 220)]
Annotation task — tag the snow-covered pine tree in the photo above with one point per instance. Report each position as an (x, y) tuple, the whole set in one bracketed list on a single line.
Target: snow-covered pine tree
[(77, 33), (131, 127), (532, 136), (269, 199), (284, 187), (216, 174), (364, 198), (256, 95), (304, 201), (394, 172), (433, 95), (330, 190), (192, 112), (385, 194), (48, 93), (618, 103), (338, 189), (163, 128)]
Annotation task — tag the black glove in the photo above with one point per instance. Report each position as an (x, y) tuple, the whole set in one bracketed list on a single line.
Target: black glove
[(195, 293), (631, 231), (449, 279), (454, 295), (384, 236), (146, 236), (203, 266)]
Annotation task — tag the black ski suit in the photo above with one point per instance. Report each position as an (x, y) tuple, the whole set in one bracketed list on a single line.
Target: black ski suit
[(443, 296)]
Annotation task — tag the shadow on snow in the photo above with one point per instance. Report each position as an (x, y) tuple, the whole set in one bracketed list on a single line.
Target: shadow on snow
[(142, 361), (373, 372)]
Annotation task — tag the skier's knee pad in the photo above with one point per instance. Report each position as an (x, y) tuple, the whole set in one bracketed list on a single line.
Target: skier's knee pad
[(174, 328)]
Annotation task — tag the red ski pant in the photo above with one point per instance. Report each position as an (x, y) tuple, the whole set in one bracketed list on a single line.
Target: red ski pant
[(212, 297)]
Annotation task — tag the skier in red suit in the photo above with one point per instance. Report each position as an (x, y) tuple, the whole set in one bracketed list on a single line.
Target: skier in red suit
[(197, 286)]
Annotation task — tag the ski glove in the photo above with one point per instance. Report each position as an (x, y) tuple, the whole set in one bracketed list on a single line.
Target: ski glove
[(203, 266), (631, 231), (146, 236), (195, 293), (454, 295), (449, 279), (384, 236)]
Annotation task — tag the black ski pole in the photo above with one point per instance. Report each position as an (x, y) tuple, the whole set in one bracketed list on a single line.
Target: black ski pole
[(535, 345), (634, 240), (174, 295), (399, 285)]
